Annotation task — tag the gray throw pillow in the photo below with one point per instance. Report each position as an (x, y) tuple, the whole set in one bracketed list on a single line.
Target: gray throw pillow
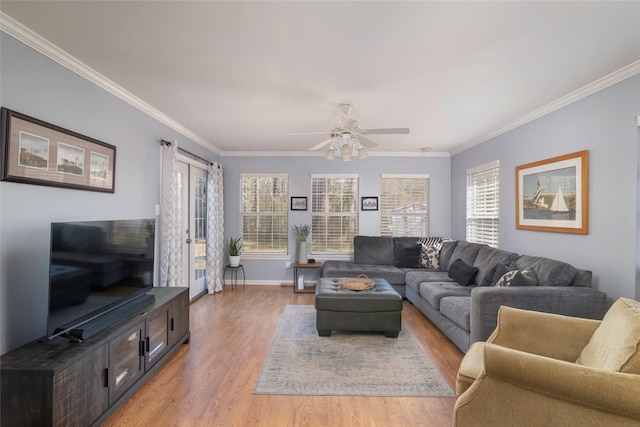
[(408, 256), (462, 273)]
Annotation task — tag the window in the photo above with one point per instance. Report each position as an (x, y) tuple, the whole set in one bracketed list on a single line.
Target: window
[(263, 214), (482, 204), (404, 205), (334, 213)]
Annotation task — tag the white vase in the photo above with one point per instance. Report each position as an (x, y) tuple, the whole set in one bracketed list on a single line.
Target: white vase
[(234, 261), (303, 248)]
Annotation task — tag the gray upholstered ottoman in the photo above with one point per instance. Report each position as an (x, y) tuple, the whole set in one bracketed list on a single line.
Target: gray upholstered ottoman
[(375, 310)]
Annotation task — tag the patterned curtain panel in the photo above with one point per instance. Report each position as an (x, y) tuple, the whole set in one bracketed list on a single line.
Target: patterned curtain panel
[(170, 219), (215, 229)]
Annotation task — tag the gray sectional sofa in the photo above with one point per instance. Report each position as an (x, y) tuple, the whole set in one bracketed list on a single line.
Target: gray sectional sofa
[(466, 314)]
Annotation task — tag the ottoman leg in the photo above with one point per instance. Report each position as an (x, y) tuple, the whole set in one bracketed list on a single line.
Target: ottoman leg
[(324, 332), (391, 334)]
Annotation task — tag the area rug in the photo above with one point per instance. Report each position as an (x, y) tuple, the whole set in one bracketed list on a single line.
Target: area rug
[(300, 362)]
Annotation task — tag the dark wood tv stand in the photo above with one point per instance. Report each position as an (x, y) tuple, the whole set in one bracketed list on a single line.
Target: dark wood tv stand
[(63, 383)]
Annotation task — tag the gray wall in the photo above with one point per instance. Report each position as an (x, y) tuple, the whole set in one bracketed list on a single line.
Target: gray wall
[(603, 123), (34, 85), (300, 169)]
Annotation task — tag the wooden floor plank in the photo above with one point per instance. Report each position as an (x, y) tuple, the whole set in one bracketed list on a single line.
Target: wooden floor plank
[(209, 382)]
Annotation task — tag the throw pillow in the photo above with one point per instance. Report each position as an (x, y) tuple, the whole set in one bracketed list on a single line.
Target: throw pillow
[(462, 273), (429, 257), (525, 277), (408, 256), (615, 344)]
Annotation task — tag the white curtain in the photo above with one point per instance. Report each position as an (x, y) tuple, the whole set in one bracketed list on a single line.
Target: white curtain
[(215, 229), (170, 219)]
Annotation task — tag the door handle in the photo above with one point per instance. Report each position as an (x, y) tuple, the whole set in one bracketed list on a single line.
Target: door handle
[(188, 240)]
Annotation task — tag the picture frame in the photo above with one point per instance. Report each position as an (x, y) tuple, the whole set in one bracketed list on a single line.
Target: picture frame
[(36, 152), (298, 203), (553, 194), (369, 204)]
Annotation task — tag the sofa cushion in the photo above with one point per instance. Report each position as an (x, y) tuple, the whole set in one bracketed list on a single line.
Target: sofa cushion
[(525, 277), (373, 250), (433, 292), (407, 255), (465, 251), (445, 253), (549, 271), (462, 273), (413, 278), (615, 344), (487, 260), (458, 310)]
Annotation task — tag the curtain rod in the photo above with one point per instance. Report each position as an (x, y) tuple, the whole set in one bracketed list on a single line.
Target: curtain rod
[(168, 143)]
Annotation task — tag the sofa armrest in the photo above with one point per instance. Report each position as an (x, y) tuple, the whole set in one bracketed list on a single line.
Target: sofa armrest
[(545, 334), (531, 387), (566, 300)]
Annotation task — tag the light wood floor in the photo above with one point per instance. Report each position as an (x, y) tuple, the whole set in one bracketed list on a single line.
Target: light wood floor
[(209, 382)]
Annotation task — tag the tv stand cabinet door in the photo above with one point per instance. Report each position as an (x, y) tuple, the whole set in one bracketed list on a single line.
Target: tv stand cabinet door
[(179, 318), (80, 393), (126, 360)]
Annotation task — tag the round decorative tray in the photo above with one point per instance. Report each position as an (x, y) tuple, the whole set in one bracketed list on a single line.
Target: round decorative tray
[(360, 283)]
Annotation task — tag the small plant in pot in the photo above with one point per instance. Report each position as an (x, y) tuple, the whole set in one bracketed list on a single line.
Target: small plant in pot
[(235, 249)]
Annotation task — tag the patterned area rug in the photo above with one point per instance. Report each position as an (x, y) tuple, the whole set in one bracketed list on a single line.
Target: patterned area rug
[(300, 362)]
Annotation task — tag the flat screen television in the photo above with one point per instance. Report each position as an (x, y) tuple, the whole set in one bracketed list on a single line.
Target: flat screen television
[(97, 270)]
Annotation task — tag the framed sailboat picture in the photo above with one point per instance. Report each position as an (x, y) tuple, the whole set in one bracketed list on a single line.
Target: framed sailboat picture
[(553, 194)]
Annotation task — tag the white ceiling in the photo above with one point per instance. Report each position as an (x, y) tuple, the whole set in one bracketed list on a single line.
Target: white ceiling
[(238, 76)]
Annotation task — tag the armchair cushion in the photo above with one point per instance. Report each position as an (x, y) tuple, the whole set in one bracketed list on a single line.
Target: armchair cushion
[(615, 344)]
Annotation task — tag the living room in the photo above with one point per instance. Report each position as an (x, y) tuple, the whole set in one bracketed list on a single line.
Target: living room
[(601, 117)]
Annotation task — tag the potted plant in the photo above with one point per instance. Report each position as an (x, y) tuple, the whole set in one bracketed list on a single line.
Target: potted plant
[(235, 249), (302, 233)]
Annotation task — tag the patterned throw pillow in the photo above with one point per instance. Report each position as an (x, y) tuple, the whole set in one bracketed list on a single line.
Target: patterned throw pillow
[(525, 277), (429, 258), (430, 255)]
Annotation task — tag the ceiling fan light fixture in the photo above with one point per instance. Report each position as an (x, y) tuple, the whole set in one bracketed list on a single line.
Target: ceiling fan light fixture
[(331, 154), (362, 154), (346, 153)]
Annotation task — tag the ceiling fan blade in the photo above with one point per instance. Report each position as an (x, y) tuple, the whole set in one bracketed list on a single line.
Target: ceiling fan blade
[(385, 131), (322, 144), (366, 142), (308, 133)]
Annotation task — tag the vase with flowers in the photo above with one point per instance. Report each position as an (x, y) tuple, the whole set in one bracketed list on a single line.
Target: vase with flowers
[(302, 234)]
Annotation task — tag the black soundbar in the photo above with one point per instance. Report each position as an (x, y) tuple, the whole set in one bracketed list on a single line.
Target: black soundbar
[(102, 322)]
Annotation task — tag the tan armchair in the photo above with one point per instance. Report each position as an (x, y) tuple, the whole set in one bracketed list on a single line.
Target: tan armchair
[(540, 369)]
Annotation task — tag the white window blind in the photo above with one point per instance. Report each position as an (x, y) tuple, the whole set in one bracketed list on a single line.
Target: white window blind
[(483, 191), (264, 213), (334, 213), (404, 205)]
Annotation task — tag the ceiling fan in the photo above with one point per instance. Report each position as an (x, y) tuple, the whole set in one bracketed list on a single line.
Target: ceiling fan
[(346, 136)]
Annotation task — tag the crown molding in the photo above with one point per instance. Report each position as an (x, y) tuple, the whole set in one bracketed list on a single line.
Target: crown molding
[(23, 34), (322, 153), (600, 84)]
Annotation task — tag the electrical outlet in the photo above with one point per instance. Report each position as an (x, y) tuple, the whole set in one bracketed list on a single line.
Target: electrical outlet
[(287, 264)]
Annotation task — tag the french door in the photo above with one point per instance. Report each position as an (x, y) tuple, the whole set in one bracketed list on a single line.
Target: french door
[(193, 205)]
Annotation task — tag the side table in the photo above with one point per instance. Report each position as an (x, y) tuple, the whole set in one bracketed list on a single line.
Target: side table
[(297, 266), (234, 275)]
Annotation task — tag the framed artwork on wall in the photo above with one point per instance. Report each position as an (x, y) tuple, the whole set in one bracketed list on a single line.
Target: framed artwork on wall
[(553, 194), (36, 152), (298, 203), (369, 204)]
